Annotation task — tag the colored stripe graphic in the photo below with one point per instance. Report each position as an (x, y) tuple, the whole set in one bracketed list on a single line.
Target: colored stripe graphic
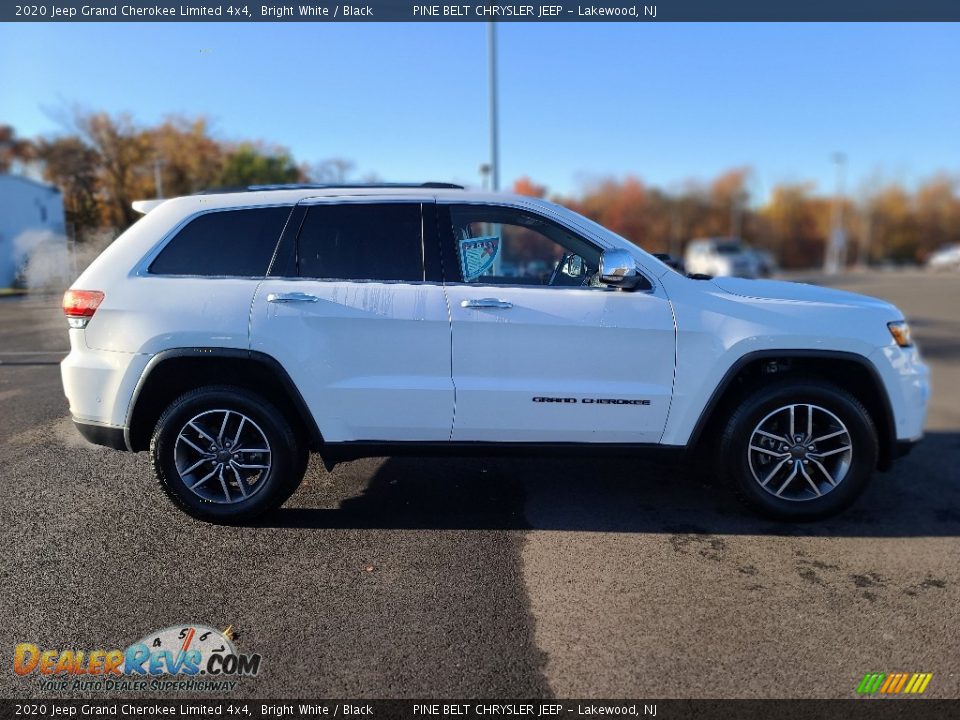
[(871, 683), (894, 683), (889, 683), (900, 682), (923, 679)]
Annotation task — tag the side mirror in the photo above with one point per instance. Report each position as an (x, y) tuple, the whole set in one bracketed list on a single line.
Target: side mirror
[(619, 269)]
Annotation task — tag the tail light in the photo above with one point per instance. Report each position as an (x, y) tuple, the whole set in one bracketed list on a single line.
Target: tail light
[(80, 305)]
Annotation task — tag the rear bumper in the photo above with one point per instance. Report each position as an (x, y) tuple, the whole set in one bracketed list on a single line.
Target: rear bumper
[(99, 383), (105, 435)]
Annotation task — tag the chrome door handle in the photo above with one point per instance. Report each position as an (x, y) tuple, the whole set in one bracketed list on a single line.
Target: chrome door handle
[(291, 297), (486, 303)]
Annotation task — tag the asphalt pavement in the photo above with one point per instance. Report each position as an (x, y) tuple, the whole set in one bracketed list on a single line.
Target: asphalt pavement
[(488, 578)]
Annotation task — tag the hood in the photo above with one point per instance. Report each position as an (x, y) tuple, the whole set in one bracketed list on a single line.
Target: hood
[(797, 292)]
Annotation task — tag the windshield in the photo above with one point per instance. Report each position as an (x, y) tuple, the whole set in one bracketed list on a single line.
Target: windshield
[(729, 249)]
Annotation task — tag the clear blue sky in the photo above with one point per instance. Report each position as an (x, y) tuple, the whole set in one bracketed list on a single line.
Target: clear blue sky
[(666, 102)]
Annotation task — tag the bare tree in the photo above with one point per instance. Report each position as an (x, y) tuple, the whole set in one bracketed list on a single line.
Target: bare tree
[(334, 171)]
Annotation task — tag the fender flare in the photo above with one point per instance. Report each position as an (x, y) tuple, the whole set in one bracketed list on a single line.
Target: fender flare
[(268, 361), (887, 443)]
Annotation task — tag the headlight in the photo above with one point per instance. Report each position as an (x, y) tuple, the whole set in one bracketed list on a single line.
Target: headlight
[(901, 333)]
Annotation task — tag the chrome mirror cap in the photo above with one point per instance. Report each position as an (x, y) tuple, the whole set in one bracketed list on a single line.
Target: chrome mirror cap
[(619, 269)]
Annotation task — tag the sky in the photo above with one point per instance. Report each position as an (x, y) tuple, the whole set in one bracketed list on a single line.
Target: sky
[(579, 102)]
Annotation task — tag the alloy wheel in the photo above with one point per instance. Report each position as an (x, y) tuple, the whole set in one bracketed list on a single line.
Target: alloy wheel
[(222, 456), (800, 452)]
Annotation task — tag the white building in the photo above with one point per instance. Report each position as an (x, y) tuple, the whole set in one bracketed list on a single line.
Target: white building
[(31, 215)]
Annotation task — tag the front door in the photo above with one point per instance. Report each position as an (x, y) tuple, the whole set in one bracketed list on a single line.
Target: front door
[(541, 351)]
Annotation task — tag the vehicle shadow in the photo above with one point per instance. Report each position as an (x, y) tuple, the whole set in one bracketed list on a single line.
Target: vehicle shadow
[(919, 497)]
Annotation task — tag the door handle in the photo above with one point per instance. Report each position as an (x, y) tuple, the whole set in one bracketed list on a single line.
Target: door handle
[(486, 303), (292, 297)]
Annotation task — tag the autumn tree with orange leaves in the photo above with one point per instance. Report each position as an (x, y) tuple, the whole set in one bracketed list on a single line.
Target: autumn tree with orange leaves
[(891, 224)]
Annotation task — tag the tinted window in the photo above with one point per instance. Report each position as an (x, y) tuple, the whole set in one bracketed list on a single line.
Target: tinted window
[(360, 241), (229, 242)]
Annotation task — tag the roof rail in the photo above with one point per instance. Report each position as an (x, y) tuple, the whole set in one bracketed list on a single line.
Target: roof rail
[(326, 186)]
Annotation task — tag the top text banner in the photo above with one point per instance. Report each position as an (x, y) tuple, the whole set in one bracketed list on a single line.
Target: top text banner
[(558, 11)]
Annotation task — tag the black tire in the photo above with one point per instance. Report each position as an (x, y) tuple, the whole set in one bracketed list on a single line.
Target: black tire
[(736, 436), (288, 458)]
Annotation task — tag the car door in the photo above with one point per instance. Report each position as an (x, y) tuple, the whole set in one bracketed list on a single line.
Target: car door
[(541, 351), (349, 312)]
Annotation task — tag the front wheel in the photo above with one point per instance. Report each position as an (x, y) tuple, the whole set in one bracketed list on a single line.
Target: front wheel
[(799, 449), (224, 454)]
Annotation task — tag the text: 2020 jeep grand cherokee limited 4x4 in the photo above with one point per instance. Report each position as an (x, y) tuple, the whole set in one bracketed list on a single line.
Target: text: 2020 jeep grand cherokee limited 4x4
[(230, 334)]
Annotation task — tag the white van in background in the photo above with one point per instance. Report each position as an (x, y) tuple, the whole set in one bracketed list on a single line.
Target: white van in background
[(721, 257)]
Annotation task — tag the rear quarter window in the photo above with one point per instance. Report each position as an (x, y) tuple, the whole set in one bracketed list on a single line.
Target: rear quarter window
[(235, 243)]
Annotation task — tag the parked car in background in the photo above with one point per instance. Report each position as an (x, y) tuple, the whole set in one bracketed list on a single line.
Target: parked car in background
[(721, 257), (766, 263), (946, 258)]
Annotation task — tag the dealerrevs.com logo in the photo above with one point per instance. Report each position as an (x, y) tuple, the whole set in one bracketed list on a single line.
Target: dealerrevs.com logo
[(189, 657)]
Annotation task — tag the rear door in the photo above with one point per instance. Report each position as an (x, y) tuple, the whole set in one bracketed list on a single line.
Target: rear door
[(542, 352), (350, 312)]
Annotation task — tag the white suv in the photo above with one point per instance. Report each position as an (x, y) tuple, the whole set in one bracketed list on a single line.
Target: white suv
[(722, 257), (230, 334)]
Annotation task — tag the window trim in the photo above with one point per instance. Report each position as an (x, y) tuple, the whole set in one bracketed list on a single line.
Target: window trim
[(142, 268)]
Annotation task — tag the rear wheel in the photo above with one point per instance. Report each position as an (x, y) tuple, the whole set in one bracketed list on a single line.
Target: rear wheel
[(799, 449), (225, 454)]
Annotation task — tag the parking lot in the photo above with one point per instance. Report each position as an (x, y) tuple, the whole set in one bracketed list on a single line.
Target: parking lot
[(566, 577)]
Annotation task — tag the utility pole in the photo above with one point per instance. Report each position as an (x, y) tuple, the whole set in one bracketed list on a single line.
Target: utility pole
[(866, 220), (736, 213), (836, 244), (492, 86), (158, 177), (484, 175)]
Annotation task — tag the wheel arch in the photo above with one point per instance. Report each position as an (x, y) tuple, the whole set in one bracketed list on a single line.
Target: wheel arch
[(173, 372), (853, 372)]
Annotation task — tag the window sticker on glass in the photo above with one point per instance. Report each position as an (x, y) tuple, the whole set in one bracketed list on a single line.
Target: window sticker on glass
[(477, 255)]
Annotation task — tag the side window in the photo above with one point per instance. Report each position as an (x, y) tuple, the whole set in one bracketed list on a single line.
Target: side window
[(235, 243), (362, 241), (497, 245)]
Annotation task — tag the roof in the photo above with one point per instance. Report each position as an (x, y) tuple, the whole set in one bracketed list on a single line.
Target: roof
[(288, 195), (30, 181), (330, 186)]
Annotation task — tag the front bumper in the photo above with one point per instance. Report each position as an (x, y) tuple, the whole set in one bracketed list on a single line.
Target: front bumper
[(907, 380)]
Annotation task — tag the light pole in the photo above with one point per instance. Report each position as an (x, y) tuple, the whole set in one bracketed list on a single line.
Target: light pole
[(836, 244), (158, 176), (484, 175), (492, 86), (736, 212)]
